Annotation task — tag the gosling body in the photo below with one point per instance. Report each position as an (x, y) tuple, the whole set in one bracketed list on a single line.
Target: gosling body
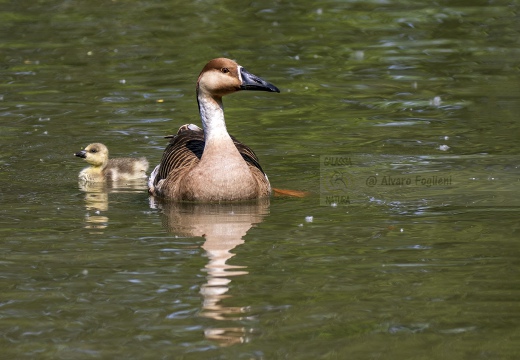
[(103, 169)]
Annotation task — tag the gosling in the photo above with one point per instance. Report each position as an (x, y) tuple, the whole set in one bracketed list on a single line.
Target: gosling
[(105, 169)]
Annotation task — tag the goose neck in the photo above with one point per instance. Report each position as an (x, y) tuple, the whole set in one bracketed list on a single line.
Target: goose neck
[(212, 116)]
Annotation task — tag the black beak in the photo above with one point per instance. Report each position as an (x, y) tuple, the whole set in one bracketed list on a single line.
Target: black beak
[(253, 82), (81, 154)]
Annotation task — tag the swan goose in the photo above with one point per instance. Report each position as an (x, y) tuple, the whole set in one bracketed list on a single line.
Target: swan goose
[(208, 164)]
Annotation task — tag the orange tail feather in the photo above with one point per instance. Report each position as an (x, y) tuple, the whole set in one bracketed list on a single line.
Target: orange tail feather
[(291, 193)]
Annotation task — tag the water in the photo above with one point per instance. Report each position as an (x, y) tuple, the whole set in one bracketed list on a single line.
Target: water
[(401, 88)]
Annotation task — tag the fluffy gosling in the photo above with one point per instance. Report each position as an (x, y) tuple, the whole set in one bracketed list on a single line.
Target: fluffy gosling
[(104, 169)]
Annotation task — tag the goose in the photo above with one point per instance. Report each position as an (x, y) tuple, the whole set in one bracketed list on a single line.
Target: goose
[(102, 168), (208, 164)]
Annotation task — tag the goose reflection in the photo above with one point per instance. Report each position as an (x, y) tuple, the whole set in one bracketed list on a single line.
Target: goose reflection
[(96, 199), (223, 226)]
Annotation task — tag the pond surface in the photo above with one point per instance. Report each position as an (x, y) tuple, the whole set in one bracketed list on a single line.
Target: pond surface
[(393, 91)]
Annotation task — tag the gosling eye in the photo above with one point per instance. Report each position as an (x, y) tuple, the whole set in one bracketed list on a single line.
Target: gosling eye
[(93, 151), (224, 70)]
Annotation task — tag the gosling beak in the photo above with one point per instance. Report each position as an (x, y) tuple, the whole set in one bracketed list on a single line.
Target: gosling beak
[(81, 154), (253, 82)]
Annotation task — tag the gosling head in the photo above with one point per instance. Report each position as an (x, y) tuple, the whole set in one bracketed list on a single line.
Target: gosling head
[(223, 76), (95, 154)]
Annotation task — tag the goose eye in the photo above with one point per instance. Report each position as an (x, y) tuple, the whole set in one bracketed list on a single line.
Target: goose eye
[(93, 151), (224, 70)]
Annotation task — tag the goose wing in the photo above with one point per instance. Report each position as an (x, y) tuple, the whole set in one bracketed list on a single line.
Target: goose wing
[(247, 154)]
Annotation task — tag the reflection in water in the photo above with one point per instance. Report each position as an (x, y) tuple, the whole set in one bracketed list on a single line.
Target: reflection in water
[(223, 226), (96, 199)]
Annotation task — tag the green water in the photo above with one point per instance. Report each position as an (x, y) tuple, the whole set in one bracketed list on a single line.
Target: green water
[(400, 88)]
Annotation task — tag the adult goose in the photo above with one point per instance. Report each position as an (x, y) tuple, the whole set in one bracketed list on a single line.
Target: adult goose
[(209, 165), (102, 168)]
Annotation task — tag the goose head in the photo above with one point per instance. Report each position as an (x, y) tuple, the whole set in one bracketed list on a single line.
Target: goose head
[(95, 154), (223, 76)]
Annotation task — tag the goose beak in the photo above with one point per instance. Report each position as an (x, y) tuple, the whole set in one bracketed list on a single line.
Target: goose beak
[(253, 82), (81, 154)]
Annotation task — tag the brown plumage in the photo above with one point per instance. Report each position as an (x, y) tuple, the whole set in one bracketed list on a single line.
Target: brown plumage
[(186, 148), (210, 165)]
